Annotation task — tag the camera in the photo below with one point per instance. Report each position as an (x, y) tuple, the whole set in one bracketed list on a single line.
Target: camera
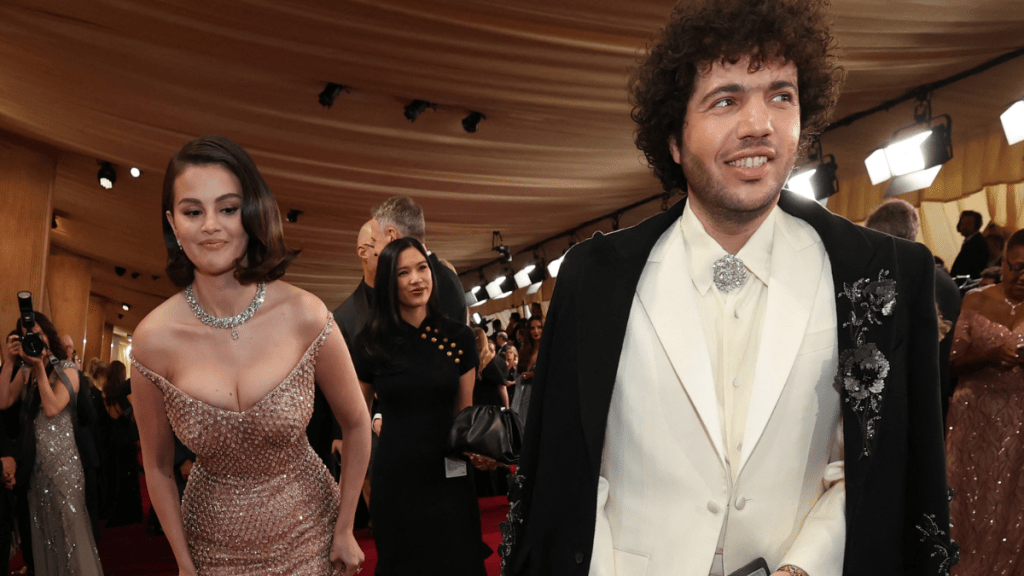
[(31, 343)]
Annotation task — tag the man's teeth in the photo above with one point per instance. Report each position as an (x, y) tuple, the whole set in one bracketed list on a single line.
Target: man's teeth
[(749, 162)]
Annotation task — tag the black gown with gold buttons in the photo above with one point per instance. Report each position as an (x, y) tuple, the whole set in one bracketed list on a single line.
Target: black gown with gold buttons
[(424, 522)]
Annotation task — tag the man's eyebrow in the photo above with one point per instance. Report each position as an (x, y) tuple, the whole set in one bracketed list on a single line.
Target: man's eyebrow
[(780, 84), (723, 89)]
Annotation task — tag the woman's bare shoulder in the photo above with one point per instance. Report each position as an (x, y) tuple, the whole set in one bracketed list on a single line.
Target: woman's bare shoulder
[(155, 333), (306, 310), (980, 297)]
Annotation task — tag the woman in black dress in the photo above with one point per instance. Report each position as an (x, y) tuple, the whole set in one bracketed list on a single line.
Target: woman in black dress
[(425, 515)]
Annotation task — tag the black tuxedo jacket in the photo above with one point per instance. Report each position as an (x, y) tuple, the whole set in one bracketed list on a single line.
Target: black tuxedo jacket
[(972, 259), (897, 509), (353, 313)]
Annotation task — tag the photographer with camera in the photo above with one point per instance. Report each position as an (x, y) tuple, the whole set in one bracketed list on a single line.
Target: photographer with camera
[(62, 538)]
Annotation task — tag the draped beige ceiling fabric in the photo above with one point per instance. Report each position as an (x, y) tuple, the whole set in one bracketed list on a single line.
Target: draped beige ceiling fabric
[(131, 81)]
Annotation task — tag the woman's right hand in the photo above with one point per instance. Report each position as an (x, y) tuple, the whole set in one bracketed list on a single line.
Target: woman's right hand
[(1004, 356)]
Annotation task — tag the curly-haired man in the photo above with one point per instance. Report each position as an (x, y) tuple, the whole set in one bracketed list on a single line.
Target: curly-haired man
[(762, 390)]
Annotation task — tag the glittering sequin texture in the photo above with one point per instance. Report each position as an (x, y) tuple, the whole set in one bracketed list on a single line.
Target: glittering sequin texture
[(259, 500), (62, 540)]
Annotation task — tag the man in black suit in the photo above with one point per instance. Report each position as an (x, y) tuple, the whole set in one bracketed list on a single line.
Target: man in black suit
[(636, 458), (351, 316), (973, 256), (401, 216), (897, 217)]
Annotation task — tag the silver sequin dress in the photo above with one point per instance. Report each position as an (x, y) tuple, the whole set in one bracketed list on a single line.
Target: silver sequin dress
[(259, 500), (62, 542)]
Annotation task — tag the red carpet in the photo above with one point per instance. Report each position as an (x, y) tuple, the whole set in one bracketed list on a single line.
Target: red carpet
[(128, 551)]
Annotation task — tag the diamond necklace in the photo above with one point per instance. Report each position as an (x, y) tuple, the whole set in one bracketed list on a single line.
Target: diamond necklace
[(234, 321), (1013, 307)]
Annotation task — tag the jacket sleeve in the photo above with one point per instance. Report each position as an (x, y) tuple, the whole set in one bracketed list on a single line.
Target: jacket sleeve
[(929, 547), (514, 548)]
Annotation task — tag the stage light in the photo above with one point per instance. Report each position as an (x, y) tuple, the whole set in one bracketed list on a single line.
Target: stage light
[(330, 92), (125, 306), (914, 181), (470, 123), (135, 172), (1013, 122), (816, 179), (477, 319), (119, 270), (498, 245), (878, 168), (530, 275), (293, 216), (107, 176), (915, 153), (501, 287), (554, 265), (415, 108)]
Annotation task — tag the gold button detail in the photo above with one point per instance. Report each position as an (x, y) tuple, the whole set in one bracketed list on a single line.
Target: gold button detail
[(460, 352), (449, 353), (456, 360), (453, 344), (440, 346), (427, 328), (445, 339), (424, 336), (433, 339)]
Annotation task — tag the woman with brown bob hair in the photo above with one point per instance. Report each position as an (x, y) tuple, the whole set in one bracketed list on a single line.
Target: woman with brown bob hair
[(229, 365)]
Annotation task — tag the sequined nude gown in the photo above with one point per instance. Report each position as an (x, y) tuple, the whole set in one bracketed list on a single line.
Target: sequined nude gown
[(985, 455), (258, 500), (62, 542)]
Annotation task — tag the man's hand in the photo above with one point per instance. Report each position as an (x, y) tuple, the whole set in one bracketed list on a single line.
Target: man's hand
[(186, 469), (9, 467)]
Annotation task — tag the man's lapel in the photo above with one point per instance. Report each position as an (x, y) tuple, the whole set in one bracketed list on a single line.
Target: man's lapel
[(792, 289), (665, 290), (605, 293)]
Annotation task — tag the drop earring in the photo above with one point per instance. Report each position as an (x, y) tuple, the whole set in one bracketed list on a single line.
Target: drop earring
[(179, 243)]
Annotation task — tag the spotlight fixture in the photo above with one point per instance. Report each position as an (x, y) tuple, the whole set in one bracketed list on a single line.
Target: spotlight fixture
[(554, 265), (498, 245), (477, 319), (107, 176), (293, 216), (470, 123), (1013, 122), (477, 294), (915, 153), (119, 270), (125, 306), (135, 172), (415, 108), (330, 92), (502, 286), (531, 274), (816, 179)]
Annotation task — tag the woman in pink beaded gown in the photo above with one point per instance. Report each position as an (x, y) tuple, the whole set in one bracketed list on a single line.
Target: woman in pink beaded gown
[(985, 443), (229, 365)]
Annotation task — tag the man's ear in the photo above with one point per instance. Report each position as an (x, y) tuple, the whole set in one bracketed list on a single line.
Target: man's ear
[(673, 147)]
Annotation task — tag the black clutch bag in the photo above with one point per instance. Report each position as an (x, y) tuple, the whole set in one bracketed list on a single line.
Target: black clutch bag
[(488, 431)]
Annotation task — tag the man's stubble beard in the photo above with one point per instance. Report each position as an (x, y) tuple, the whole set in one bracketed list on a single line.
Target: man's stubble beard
[(715, 199)]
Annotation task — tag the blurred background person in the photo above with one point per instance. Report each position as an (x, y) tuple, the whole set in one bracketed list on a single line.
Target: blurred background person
[(984, 444), (529, 347), (62, 537), (973, 256), (899, 218), (420, 365), (120, 437)]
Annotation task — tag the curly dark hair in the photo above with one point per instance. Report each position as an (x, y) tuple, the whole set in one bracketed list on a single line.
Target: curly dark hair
[(704, 32)]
